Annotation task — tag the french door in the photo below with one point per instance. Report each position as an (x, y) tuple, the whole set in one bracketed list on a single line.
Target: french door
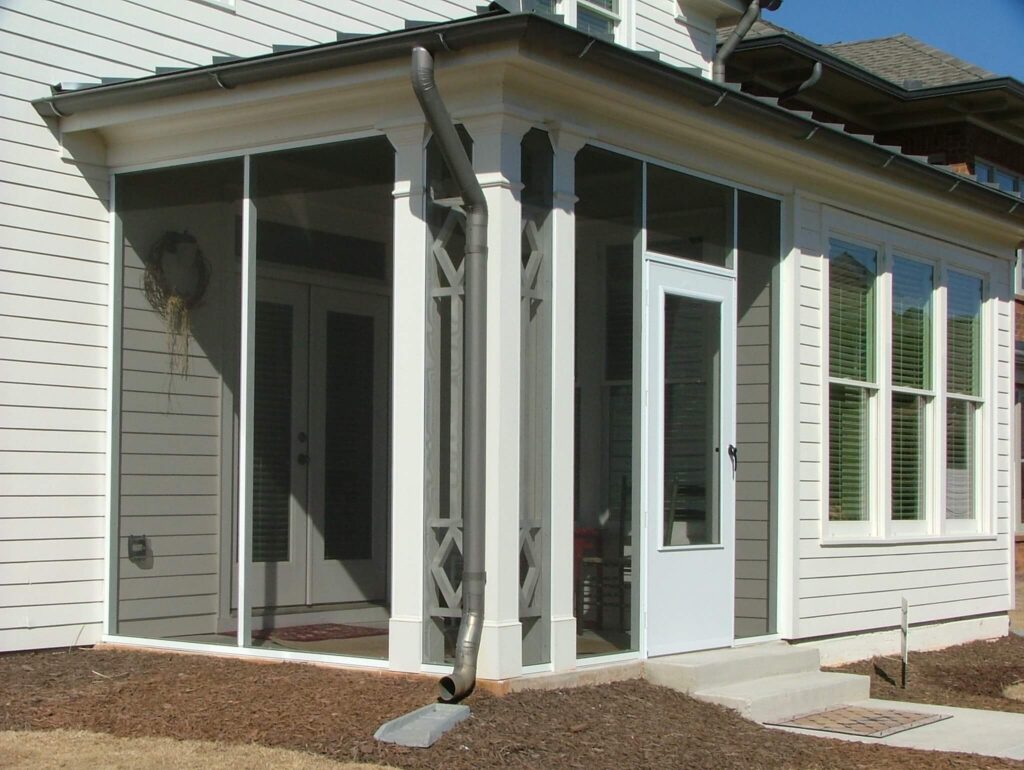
[(320, 446), (691, 459)]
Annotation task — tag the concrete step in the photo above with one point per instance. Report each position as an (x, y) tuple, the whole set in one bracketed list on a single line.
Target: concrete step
[(777, 698), (711, 668)]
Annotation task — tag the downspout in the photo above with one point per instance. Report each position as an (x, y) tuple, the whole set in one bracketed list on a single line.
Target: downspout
[(460, 682), (753, 13)]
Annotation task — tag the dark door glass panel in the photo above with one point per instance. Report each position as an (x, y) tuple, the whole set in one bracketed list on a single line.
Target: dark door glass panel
[(348, 465), (690, 437), (272, 478)]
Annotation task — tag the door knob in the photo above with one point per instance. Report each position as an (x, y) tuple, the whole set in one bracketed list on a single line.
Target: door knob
[(303, 458)]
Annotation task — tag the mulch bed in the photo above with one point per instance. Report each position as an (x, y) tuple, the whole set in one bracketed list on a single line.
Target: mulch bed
[(971, 675), (334, 713)]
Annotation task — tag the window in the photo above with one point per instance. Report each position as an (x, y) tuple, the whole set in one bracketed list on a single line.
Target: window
[(1006, 180), (852, 384), (904, 437), (600, 18), (963, 348), (912, 284), (597, 17)]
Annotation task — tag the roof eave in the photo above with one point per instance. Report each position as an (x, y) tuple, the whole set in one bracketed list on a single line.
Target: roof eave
[(493, 28)]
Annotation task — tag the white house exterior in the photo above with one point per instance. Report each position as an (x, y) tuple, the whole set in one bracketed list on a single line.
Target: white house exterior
[(676, 270)]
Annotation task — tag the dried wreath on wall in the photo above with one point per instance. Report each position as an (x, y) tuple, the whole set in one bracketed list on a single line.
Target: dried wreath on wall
[(175, 281)]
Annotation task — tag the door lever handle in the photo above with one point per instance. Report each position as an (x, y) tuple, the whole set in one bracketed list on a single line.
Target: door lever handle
[(733, 456)]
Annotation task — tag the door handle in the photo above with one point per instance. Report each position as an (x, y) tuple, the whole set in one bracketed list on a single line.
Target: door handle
[(734, 457), (303, 458)]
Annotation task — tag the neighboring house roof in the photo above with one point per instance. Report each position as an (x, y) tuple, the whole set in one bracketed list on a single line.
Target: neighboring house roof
[(546, 34), (908, 62), (878, 85)]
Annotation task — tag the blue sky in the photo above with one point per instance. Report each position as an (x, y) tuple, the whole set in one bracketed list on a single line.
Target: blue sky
[(989, 33)]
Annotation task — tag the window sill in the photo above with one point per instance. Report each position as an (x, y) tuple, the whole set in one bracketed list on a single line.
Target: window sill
[(887, 541)]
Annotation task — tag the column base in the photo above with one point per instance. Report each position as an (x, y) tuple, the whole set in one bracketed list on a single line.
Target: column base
[(405, 644), (563, 644), (501, 651)]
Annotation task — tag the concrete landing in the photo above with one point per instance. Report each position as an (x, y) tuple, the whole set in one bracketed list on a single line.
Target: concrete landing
[(970, 731), (764, 682)]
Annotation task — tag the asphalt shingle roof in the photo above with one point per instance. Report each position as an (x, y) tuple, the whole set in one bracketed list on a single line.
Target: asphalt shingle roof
[(907, 62), (900, 59)]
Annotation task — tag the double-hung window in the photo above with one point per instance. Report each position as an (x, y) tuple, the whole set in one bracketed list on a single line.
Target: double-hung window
[(905, 395), (911, 393), (852, 379), (963, 397)]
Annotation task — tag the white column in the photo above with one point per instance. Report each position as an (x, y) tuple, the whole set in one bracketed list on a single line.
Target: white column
[(496, 158), (408, 383), (567, 142)]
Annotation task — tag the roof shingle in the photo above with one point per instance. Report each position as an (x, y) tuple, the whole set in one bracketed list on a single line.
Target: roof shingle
[(907, 62)]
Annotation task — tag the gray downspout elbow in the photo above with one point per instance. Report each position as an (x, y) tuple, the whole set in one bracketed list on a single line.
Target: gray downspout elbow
[(460, 682), (752, 14)]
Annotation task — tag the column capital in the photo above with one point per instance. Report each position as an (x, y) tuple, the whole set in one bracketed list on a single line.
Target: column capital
[(490, 123), (405, 134), (569, 138)]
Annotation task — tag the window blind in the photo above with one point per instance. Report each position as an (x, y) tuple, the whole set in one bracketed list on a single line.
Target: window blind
[(911, 323), (963, 376), (847, 453), (963, 332), (851, 357), (960, 461), (851, 280), (907, 474)]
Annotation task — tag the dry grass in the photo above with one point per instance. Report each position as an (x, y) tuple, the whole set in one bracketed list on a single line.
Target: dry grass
[(77, 749)]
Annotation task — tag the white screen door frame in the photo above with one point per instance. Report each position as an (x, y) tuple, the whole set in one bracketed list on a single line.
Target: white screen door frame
[(690, 423)]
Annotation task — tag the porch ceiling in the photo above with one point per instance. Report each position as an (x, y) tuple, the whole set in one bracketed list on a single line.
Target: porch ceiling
[(567, 46)]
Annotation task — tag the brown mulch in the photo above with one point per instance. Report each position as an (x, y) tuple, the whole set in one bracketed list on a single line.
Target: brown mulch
[(334, 713), (971, 675)]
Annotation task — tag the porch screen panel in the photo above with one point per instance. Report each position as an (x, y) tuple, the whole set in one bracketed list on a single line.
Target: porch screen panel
[(178, 402), (963, 393), (272, 430), (537, 176), (608, 222), (349, 455), (758, 252), (324, 232), (851, 279), (689, 217), (446, 248)]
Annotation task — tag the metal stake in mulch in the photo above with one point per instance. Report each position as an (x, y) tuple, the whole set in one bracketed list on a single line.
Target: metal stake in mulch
[(905, 630)]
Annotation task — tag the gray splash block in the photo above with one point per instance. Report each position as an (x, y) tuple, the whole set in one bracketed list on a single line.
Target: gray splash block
[(421, 728)]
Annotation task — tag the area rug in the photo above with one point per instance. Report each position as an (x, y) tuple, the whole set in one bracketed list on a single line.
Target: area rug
[(867, 722), (317, 632)]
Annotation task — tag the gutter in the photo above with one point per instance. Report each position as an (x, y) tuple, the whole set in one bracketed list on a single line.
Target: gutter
[(460, 682), (562, 46)]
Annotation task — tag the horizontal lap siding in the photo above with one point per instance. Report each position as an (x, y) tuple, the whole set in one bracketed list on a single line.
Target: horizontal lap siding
[(53, 314), (845, 589), (753, 441), (658, 29)]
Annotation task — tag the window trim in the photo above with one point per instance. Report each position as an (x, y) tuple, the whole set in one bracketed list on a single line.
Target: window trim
[(996, 168), (622, 17), (890, 242)]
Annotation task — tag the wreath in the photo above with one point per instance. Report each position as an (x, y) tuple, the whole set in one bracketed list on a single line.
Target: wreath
[(176, 277)]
